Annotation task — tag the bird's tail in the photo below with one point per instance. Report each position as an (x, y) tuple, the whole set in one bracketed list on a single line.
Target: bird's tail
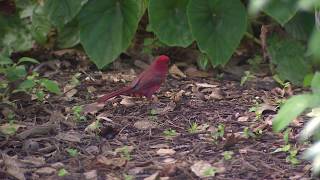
[(123, 91)]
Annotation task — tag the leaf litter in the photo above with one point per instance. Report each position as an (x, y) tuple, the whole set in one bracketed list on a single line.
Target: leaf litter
[(122, 136)]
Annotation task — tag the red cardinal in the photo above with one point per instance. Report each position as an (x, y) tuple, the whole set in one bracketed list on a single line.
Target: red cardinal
[(147, 83)]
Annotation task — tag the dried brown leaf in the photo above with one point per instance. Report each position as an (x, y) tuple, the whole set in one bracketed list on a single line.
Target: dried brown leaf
[(175, 71), (165, 152), (145, 125), (92, 108)]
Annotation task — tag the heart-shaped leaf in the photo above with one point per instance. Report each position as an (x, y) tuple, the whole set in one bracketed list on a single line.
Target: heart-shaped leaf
[(281, 10), (288, 55), (218, 27), (107, 28), (168, 19), (60, 12)]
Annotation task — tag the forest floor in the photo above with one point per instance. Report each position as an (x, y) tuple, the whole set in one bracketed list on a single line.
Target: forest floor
[(197, 127)]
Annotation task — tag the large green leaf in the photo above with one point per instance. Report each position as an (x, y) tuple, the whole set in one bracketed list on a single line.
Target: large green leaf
[(289, 57), (168, 19), (218, 27), (301, 25), (281, 10), (291, 109), (69, 35), (60, 12), (107, 28), (40, 25), (314, 44)]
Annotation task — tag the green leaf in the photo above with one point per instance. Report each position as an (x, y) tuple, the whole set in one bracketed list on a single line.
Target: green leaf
[(14, 34), (169, 21), (14, 73), (307, 80), (288, 55), (27, 84), (27, 59), (301, 25), (281, 10), (314, 44), (143, 5), (4, 60), (203, 61), (218, 27), (69, 35), (40, 25), (51, 86), (60, 12), (315, 83), (292, 108), (107, 28)]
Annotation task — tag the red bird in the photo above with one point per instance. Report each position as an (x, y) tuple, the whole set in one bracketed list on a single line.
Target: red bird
[(147, 83)]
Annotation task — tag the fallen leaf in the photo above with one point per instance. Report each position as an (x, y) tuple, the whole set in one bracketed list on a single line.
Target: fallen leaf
[(71, 93), (127, 101), (57, 165), (93, 127), (165, 152), (215, 94), (91, 175), (36, 161), (194, 72), (13, 167), (206, 85), (92, 150), (92, 108), (243, 119), (111, 162), (91, 89), (71, 136), (157, 146), (145, 125), (176, 72), (203, 169), (169, 161), (177, 96), (169, 108), (46, 171), (266, 107)]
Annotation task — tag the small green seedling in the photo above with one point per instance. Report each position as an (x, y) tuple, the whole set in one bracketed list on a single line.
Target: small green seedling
[(125, 152), (292, 153), (169, 133), (78, 113), (255, 109), (62, 172), (193, 128), (128, 177), (247, 76), (153, 115), (72, 152), (227, 155), (219, 133), (248, 133), (211, 171)]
